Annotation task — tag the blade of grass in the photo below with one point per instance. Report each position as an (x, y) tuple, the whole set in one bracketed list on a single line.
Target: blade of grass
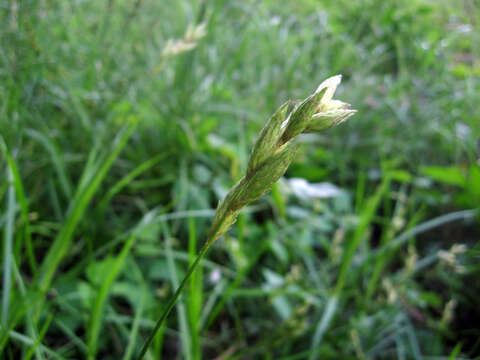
[(135, 328), (28, 341), (57, 160), (20, 194), (365, 221), (38, 340), (421, 228), (26, 300), (210, 303), (7, 252), (63, 240), (132, 336), (456, 350), (173, 299), (381, 261), (95, 322), (332, 305), (412, 339), (237, 281), (182, 316), (127, 179), (327, 316), (72, 336)]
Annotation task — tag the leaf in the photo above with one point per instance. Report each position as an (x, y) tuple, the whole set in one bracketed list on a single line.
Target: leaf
[(401, 176), (449, 175)]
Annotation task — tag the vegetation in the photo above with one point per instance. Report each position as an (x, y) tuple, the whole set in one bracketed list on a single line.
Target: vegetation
[(123, 124)]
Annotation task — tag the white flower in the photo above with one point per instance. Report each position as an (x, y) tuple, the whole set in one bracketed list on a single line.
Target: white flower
[(305, 190)]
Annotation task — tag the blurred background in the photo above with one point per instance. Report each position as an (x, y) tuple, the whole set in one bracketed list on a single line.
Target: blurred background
[(123, 123)]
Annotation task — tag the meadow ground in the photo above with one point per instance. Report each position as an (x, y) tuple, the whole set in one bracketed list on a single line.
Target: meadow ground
[(123, 123)]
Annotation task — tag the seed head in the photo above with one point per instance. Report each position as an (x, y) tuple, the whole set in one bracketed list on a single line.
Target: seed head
[(274, 149)]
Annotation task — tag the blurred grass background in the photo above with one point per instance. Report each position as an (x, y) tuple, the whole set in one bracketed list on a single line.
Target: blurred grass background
[(115, 150)]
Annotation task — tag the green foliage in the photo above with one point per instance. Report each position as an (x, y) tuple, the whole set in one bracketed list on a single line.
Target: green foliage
[(118, 148)]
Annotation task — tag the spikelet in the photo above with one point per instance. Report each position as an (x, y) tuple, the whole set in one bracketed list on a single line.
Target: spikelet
[(189, 41), (275, 149)]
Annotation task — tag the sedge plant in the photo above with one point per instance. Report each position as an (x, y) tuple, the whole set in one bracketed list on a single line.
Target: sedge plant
[(271, 155)]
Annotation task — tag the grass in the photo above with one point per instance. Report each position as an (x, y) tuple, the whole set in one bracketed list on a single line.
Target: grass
[(114, 158)]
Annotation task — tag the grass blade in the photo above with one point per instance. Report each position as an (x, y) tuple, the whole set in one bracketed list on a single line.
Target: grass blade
[(57, 160), (421, 228), (7, 254), (132, 336), (365, 221), (129, 177), (331, 308), (182, 316), (96, 316), (64, 238), (329, 312), (20, 194), (38, 341)]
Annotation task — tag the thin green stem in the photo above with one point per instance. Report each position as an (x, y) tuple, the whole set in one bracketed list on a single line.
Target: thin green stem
[(175, 297)]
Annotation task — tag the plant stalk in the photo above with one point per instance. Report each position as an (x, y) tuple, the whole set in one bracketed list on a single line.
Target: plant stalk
[(175, 297)]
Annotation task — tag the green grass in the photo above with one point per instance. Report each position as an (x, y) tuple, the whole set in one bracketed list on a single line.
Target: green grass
[(112, 169)]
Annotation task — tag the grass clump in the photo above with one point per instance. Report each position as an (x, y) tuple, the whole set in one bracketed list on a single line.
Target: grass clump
[(124, 125)]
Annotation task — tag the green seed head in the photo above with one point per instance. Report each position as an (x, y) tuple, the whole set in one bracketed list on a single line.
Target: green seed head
[(266, 143), (274, 149), (300, 117)]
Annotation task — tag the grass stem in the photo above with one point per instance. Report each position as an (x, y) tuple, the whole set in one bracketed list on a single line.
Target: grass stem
[(174, 298)]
